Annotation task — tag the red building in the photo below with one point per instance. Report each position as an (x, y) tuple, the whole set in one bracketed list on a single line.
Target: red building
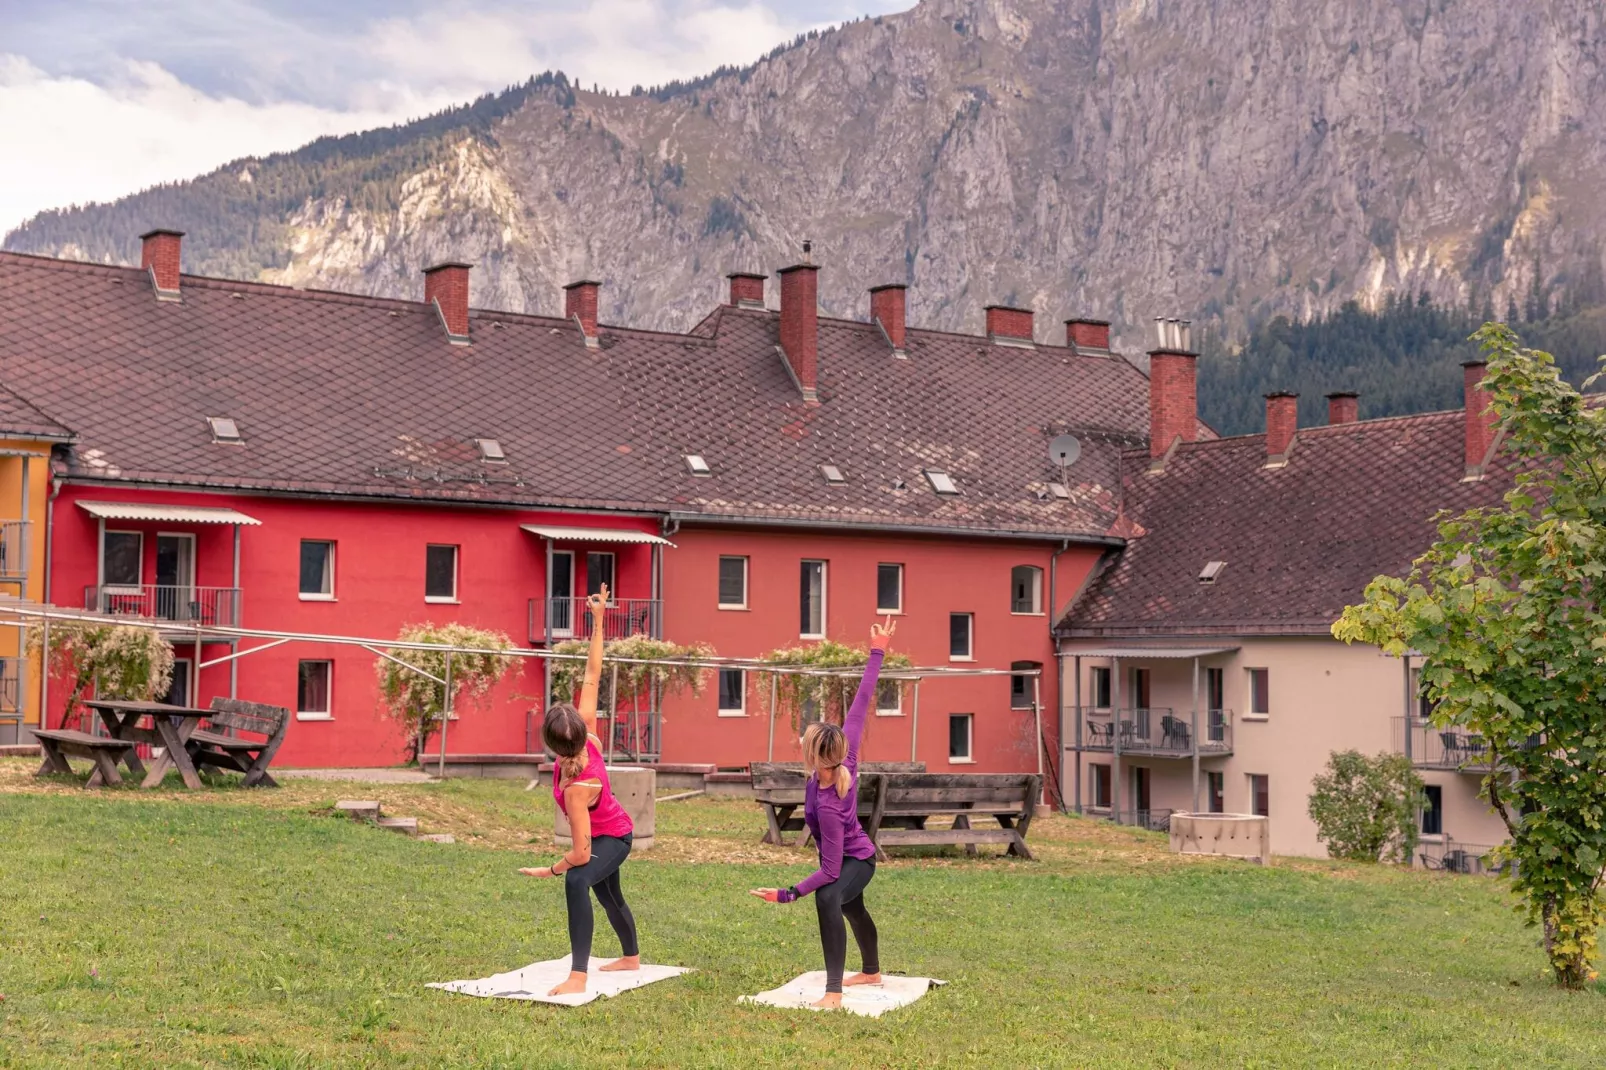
[(332, 464)]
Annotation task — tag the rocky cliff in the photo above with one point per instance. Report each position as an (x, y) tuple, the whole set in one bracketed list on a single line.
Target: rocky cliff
[(1224, 159)]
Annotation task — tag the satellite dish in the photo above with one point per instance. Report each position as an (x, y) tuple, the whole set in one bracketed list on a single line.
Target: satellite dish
[(1064, 450)]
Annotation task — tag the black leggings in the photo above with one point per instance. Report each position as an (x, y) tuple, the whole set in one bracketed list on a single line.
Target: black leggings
[(601, 874), (845, 897)]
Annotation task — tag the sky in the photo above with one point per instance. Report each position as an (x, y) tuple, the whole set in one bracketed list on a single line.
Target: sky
[(101, 98)]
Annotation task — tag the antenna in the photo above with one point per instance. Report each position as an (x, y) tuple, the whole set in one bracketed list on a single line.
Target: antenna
[(1063, 451)]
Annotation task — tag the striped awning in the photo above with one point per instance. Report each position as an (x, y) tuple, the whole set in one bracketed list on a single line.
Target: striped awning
[(176, 514), (595, 535)]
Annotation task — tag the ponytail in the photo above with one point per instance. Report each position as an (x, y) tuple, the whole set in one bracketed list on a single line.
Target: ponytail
[(563, 730)]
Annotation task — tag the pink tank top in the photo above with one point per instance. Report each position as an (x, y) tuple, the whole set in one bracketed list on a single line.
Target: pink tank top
[(608, 818)]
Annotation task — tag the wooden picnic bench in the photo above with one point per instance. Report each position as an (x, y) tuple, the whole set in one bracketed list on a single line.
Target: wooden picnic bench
[(779, 789), (220, 744), (907, 801), (55, 744)]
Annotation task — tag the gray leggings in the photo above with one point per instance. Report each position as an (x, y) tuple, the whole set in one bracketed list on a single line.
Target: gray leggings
[(600, 875)]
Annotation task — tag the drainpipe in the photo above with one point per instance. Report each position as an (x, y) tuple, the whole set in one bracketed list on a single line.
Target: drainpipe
[(56, 484), (1059, 669)]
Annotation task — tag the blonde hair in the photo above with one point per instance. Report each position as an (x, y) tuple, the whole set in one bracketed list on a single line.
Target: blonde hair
[(563, 730), (824, 746)]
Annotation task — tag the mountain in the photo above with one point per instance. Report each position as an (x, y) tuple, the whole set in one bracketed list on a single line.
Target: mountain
[(1228, 160)]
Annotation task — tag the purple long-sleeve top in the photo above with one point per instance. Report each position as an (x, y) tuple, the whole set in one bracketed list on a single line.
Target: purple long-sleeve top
[(833, 818)]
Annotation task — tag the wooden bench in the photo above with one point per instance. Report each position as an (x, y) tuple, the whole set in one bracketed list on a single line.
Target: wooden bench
[(909, 800), (56, 744), (779, 789), (220, 743)]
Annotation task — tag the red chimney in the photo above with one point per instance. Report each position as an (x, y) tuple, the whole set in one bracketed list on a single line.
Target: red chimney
[(446, 287), (1173, 399), (1343, 407), (747, 291), (159, 253), (1480, 416), (1282, 420), (800, 325), (580, 305), (1088, 334), (888, 308), (1009, 325)]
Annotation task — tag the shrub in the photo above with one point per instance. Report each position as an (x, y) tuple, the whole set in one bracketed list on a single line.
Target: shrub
[(119, 660), (417, 702), (1365, 808)]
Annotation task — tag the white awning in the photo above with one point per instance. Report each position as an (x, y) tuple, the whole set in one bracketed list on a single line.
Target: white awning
[(1141, 652), (595, 535), (176, 514)]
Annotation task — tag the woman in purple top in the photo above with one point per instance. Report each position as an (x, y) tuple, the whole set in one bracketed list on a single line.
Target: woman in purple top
[(847, 857)]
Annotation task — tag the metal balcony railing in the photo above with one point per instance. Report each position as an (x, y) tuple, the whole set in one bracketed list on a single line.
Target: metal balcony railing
[(14, 538), (1157, 731), (205, 606), (1155, 820), (553, 620), (1453, 856), (1442, 748)]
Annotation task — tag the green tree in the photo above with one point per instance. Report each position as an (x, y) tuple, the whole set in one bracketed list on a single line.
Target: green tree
[(1505, 609), (417, 701), (1365, 808), (120, 661)]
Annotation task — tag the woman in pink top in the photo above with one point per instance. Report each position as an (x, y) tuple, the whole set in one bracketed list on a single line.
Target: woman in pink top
[(847, 857), (601, 829)]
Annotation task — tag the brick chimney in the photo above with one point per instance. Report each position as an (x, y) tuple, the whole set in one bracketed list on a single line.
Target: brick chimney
[(1173, 399), (800, 325), (1009, 326), (1343, 407), (580, 305), (159, 255), (1088, 334), (446, 287), (1282, 420), (747, 291), (1480, 417), (888, 307)]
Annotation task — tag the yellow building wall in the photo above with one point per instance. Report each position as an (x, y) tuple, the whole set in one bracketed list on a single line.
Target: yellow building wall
[(11, 508)]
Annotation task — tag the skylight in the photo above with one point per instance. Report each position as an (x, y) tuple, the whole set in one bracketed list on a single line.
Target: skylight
[(698, 466), (491, 450), (1209, 573), (1059, 490), (224, 429), (941, 482), (832, 473)]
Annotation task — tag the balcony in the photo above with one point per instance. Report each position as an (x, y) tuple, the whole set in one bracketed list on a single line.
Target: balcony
[(205, 607), (13, 551), (554, 620), (1153, 820), (1157, 732), (1453, 856), (1451, 749)]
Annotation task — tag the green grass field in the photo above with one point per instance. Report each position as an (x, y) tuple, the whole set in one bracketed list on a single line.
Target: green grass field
[(226, 928)]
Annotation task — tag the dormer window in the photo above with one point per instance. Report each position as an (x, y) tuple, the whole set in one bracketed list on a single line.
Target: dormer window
[(697, 465), (491, 451), (224, 429), (941, 482), (833, 475)]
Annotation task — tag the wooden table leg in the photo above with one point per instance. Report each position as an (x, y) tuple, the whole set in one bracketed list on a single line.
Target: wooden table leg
[(772, 834), (175, 750), (54, 762), (118, 726), (105, 771)]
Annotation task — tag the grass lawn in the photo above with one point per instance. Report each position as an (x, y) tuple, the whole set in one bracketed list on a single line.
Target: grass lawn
[(232, 928)]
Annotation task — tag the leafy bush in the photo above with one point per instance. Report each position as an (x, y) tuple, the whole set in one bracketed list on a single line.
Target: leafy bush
[(418, 703), (119, 660), (1365, 808), (830, 694), (665, 677)]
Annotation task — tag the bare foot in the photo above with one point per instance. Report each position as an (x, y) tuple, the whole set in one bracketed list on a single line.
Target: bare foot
[(629, 962), (832, 1001), (863, 979), (575, 983)]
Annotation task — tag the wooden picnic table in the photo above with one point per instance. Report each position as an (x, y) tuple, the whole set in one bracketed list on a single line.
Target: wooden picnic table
[(171, 729)]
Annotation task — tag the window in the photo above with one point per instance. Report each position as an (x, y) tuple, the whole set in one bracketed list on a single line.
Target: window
[(1140, 689), (732, 692), (312, 691), (1021, 691), (941, 482), (960, 640), (1260, 691), (889, 588), (1211, 572), (317, 569), (888, 698), (1026, 589), (1101, 786), (1216, 689), (1099, 687), (733, 583), (959, 728), (1216, 789), (599, 570), (122, 553), (223, 429), (440, 574), (1260, 793), (811, 600), (560, 589), (1432, 810), (178, 690), (697, 465), (491, 451), (832, 474)]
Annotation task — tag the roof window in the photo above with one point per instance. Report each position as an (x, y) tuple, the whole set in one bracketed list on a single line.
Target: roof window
[(1209, 573), (224, 429), (832, 474), (941, 482), (491, 450), (1060, 490), (698, 466), (899, 484)]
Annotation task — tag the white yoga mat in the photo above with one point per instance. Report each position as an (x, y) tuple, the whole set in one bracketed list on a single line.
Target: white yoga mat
[(870, 1000), (534, 981)]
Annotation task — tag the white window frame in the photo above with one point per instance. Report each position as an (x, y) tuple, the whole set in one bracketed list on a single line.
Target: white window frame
[(970, 739), (825, 595), (883, 609), (896, 687), (457, 569), (1249, 780), (329, 568), (1250, 713), (970, 635), (1037, 592), (182, 671), (328, 686), (719, 576), (1016, 672), (553, 595), (740, 711)]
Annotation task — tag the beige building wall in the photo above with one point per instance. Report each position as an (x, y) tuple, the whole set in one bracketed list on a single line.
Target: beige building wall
[(1325, 696)]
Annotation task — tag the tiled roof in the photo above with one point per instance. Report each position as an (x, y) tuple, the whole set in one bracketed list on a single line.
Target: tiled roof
[(1300, 542), (21, 419), (349, 395)]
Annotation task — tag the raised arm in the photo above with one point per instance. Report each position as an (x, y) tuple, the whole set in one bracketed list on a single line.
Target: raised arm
[(597, 606), (853, 724)]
